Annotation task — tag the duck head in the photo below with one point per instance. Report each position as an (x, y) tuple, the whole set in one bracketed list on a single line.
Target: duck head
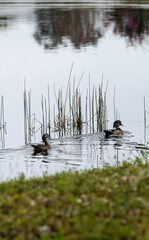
[(117, 123), (44, 137)]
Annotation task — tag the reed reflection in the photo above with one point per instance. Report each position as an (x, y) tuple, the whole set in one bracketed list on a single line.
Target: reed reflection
[(85, 26)]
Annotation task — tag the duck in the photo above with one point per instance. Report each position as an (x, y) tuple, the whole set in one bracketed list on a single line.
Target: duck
[(42, 148), (116, 131)]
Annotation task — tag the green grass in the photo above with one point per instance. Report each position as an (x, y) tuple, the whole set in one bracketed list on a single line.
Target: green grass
[(109, 204)]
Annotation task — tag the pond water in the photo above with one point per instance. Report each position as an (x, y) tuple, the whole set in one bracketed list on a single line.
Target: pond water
[(39, 41)]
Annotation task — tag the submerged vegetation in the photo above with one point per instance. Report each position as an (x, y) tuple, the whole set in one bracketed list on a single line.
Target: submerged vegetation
[(97, 204), (68, 111)]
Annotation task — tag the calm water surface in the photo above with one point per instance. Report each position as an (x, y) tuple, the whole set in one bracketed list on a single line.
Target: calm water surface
[(39, 42)]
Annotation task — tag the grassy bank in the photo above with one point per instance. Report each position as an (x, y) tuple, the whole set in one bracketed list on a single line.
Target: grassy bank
[(100, 204)]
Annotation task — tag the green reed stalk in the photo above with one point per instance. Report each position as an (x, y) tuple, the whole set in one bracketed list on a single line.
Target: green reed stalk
[(63, 115), (104, 112), (77, 102), (69, 123), (97, 117), (25, 113), (43, 118), (2, 123), (100, 108), (54, 118), (80, 117), (33, 125), (67, 95), (49, 121), (114, 103), (80, 80), (68, 83), (89, 104), (93, 110), (86, 119), (105, 107), (58, 117), (101, 96), (73, 106), (3, 145), (72, 114), (145, 125), (29, 116), (45, 101), (55, 94)]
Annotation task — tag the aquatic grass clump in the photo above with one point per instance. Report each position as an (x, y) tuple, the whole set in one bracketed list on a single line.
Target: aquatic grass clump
[(69, 110), (71, 121)]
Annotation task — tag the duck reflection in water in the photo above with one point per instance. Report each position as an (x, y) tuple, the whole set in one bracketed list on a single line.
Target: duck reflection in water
[(116, 131), (42, 148)]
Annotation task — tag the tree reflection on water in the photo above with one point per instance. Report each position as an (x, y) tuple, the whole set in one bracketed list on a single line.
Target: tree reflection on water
[(85, 26), (130, 23), (55, 26)]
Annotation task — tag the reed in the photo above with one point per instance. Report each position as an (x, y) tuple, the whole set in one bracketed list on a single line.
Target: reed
[(105, 114), (58, 116), (97, 118), (54, 119), (145, 124), (73, 107), (86, 113), (43, 115), (46, 121), (89, 104), (93, 110), (79, 119), (100, 108), (49, 119), (2, 125), (68, 114), (116, 114), (29, 118), (114, 103), (25, 113)]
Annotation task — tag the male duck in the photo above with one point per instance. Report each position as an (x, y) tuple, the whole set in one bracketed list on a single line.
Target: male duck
[(40, 148), (116, 130)]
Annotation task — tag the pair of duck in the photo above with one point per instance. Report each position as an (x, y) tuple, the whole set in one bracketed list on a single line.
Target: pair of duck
[(116, 131)]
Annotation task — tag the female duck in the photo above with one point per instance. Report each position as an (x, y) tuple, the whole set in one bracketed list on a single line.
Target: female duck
[(116, 130), (42, 148)]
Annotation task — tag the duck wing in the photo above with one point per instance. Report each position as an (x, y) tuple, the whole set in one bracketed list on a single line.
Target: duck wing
[(108, 132), (41, 147), (37, 147)]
